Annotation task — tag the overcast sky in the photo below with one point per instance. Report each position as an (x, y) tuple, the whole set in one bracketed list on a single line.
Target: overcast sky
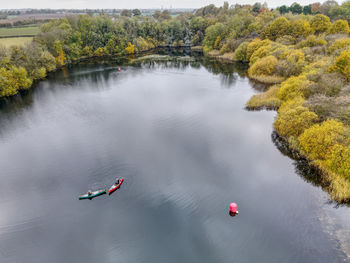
[(80, 4)]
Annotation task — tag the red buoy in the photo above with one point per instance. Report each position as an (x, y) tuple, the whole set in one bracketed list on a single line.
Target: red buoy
[(118, 69), (233, 208)]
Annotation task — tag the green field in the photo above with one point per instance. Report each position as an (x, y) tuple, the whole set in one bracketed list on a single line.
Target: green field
[(11, 41), (19, 31)]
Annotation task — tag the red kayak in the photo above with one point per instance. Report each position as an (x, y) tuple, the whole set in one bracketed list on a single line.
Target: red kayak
[(115, 186)]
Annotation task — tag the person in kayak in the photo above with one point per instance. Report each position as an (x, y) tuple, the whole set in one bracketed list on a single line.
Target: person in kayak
[(89, 192), (117, 182)]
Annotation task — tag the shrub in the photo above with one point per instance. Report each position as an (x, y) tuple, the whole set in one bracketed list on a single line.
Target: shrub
[(287, 68), (286, 40), (339, 160), (342, 64), (230, 45), (255, 45), (260, 53), (294, 87), (87, 51), (329, 84), (99, 52), (331, 107), (300, 28), (278, 28), (292, 121), (339, 27), (241, 52), (130, 49), (264, 66), (143, 44), (318, 140), (320, 23), (339, 45), (312, 41)]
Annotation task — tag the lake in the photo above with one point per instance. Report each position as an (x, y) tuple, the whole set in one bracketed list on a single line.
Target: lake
[(179, 135)]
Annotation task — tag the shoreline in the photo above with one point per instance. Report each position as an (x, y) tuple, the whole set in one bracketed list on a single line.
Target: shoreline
[(295, 154)]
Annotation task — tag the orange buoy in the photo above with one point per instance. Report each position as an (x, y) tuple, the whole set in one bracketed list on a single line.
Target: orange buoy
[(233, 209)]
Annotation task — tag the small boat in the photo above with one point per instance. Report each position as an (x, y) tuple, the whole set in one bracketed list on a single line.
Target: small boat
[(116, 186), (93, 194)]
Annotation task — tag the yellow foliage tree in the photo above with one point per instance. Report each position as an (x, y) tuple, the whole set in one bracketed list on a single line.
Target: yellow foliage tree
[(61, 58), (217, 42), (12, 80), (87, 51), (318, 140), (99, 52), (342, 64), (130, 49)]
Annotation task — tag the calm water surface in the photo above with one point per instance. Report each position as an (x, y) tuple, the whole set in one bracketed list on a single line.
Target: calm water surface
[(179, 135)]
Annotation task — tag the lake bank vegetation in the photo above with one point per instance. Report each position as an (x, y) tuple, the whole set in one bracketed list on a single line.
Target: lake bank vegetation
[(302, 53)]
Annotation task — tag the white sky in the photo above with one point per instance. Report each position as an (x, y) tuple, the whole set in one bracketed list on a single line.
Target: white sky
[(98, 4)]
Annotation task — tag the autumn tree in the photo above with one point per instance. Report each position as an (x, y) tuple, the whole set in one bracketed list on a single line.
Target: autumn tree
[(279, 27), (130, 49)]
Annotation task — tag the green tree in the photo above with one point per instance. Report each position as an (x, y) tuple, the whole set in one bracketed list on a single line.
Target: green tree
[(295, 8), (126, 12), (241, 52), (212, 33), (283, 9), (307, 10), (136, 12)]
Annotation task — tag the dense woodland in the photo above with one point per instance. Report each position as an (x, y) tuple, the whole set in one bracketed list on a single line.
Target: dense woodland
[(302, 54)]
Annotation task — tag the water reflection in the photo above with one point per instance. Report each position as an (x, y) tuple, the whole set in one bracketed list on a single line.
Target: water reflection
[(309, 173), (98, 75)]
